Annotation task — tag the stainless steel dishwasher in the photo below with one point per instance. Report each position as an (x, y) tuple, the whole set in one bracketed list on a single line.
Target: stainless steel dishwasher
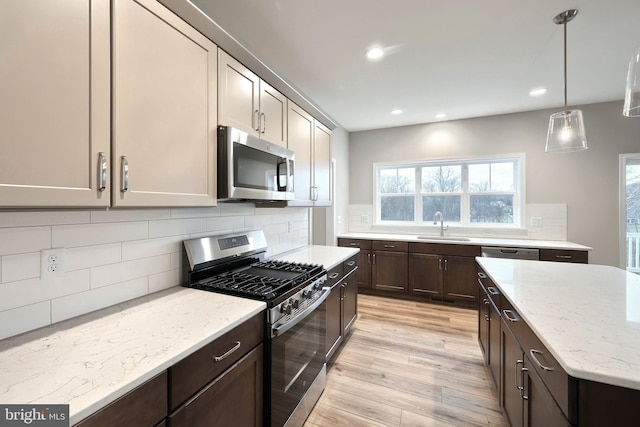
[(514, 253)]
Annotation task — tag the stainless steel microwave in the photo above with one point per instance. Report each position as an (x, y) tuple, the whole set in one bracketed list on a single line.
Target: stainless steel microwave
[(253, 169)]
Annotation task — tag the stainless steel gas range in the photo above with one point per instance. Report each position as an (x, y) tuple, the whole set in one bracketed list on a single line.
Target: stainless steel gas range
[(295, 370)]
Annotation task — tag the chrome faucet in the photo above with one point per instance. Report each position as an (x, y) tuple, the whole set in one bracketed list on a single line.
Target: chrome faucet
[(437, 216)]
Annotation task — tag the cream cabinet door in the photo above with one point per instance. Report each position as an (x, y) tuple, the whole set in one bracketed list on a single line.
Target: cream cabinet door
[(300, 139), (54, 103), (164, 109), (321, 165), (273, 115), (239, 95)]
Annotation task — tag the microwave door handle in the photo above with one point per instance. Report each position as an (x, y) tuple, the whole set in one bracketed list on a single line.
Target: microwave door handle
[(279, 175)]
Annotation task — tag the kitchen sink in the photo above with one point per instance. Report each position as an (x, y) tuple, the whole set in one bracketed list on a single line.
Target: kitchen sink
[(452, 239)]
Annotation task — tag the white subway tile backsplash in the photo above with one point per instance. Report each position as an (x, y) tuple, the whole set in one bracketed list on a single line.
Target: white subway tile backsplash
[(76, 304), (129, 215), (69, 236), (34, 218), (128, 270), (115, 255), (151, 247), (92, 256), (164, 280), (30, 291), (20, 267), (176, 227), (23, 319), (24, 239)]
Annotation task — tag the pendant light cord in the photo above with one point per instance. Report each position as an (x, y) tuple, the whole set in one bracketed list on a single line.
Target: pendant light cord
[(565, 66)]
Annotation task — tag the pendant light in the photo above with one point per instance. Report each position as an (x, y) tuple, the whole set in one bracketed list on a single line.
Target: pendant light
[(632, 94), (566, 128)]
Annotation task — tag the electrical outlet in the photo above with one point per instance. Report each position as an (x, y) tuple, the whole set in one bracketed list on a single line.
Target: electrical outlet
[(52, 262), (364, 219), (536, 221)]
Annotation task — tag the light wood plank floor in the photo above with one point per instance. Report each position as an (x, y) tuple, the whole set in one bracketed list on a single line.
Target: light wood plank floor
[(409, 364)]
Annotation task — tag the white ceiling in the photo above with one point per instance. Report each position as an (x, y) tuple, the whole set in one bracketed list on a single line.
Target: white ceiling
[(466, 58)]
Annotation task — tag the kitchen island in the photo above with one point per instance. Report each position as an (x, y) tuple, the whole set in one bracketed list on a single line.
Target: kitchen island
[(585, 318)]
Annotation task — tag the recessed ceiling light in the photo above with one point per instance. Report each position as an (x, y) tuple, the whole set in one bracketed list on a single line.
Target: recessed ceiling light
[(538, 91), (375, 53), (441, 116), (396, 111)]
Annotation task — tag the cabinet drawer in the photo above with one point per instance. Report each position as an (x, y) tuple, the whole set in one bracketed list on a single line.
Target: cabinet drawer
[(350, 265), (490, 289), (552, 374), (355, 243), (444, 249), (389, 245), (559, 255), (334, 275), (193, 372), (145, 405)]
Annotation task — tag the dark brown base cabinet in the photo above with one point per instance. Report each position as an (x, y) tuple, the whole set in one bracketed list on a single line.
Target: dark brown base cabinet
[(534, 389), (342, 304)]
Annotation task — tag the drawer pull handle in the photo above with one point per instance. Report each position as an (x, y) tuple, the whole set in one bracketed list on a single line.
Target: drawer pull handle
[(511, 316), (333, 275), (533, 352), (354, 244), (482, 275), (389, 246), (224, 356), (351, 263), (493, 291), (564, 256)]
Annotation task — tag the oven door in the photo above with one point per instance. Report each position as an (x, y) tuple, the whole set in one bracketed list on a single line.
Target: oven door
[(251, 168), (297, 357)]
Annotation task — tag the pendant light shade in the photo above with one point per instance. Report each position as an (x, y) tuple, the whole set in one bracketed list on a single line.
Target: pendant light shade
[(632, 94), (566, 128)]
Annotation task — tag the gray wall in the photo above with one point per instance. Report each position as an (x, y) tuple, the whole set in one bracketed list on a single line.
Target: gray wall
[(586, 181)]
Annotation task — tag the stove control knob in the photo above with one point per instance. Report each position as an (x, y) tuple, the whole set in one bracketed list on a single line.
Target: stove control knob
[(285, 308), (306, 294), (295, 303), (317, 286)]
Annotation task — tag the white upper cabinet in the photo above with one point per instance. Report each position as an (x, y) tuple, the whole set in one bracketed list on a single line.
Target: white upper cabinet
[(248, 103), (311, 143), (54, 103), (164, 109)]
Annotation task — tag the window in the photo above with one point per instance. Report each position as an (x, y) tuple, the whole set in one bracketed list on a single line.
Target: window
[(468, 192)]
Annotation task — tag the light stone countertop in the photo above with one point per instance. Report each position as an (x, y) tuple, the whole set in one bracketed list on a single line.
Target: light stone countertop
[(327, 256), (587, 315), (91, 360), (479, 241)]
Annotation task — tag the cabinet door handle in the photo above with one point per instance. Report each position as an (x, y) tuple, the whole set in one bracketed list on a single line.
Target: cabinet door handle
[(511, 316), (102, 169), (368, 258), (516, 372), (493, 291), (446, 262), (533, 352), (440, 264), (256, 121), (482, 275), (263, 122), (224, 356), (351, 263), (522, 372), (374, 258), (333, 275), (124, 169)]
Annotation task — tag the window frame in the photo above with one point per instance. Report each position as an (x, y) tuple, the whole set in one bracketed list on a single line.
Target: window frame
[(465, 194)]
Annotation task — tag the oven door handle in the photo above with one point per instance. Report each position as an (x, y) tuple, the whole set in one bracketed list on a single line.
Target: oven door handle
[(277, 331)]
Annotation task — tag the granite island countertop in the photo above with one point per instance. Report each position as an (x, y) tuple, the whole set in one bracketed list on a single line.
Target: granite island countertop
[(587, 315), (477, 241), (91, 360)]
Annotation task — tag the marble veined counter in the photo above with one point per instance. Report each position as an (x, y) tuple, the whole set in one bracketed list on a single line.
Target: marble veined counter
[(327, 256), (91, 360), (478, 241), (587, 315)]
